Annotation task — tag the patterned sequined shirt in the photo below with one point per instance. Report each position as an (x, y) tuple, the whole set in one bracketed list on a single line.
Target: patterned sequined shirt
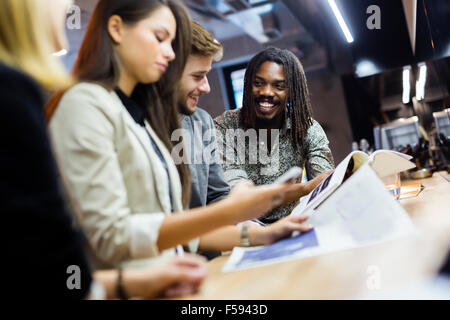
[(244, 155)]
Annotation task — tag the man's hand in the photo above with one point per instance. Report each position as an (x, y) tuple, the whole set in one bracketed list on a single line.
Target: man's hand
[(310, 185), (298, 190), (279, 230)]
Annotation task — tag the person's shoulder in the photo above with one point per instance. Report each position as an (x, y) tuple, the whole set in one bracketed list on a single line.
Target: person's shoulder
[(201, 114), (15, 81), (87, 104), (86, 95), (315, 127), (316, 132), (7, 71), (19, 89), (10, 75), (85, 90), (229, 119)]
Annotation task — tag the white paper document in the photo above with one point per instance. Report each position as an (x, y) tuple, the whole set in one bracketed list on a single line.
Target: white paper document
[(360, 212), (383, 162)]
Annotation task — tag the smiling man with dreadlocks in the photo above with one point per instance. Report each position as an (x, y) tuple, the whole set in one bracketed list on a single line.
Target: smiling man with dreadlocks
[(276, 116)]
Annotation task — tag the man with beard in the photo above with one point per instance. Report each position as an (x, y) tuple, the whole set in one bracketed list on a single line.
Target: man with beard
[(276, 117), (208, 184), (199, 150)]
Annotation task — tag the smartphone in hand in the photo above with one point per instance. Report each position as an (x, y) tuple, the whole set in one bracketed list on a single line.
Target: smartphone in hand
[(292, 174)]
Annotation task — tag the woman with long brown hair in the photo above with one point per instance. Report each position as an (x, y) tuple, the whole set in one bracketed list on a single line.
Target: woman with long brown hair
[(112, 137), (45, 253)]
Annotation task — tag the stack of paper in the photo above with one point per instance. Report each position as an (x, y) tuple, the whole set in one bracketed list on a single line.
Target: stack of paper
[(346, 210)]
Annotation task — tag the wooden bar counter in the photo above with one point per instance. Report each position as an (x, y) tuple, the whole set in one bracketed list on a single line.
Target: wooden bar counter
[(368, 271)]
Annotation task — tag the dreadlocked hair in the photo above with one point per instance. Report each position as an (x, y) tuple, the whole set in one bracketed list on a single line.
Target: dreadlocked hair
[(298, 105)]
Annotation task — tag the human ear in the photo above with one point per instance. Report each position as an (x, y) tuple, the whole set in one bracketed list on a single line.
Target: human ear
[(116, 28)]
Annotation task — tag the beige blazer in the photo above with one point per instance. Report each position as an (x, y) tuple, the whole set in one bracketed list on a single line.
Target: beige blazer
[(116, 181)]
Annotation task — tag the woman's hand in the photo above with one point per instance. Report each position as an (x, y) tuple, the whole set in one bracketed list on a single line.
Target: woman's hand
[(248, 201), (179, 276), (279, 230)]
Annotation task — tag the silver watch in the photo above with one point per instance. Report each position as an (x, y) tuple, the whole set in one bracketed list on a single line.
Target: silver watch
[(245, 240)]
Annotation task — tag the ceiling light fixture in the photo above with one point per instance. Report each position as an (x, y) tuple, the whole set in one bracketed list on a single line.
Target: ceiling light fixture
[(420, 84), (341, 21), (406, 84)]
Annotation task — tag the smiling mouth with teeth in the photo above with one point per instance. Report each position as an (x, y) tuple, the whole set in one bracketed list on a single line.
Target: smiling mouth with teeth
[(266, 104)]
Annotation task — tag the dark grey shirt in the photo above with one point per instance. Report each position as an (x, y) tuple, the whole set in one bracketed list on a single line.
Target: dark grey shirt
[(208, 183)]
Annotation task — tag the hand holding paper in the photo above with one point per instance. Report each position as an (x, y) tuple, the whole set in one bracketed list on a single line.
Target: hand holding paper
[(349, 208), (298, 190), (283, 229)]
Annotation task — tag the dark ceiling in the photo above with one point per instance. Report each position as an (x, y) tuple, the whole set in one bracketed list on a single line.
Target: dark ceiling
[(317, 29), (309, 28)]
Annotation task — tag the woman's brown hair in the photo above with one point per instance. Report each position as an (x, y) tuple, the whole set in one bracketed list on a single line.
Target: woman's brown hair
[(98, 63)]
